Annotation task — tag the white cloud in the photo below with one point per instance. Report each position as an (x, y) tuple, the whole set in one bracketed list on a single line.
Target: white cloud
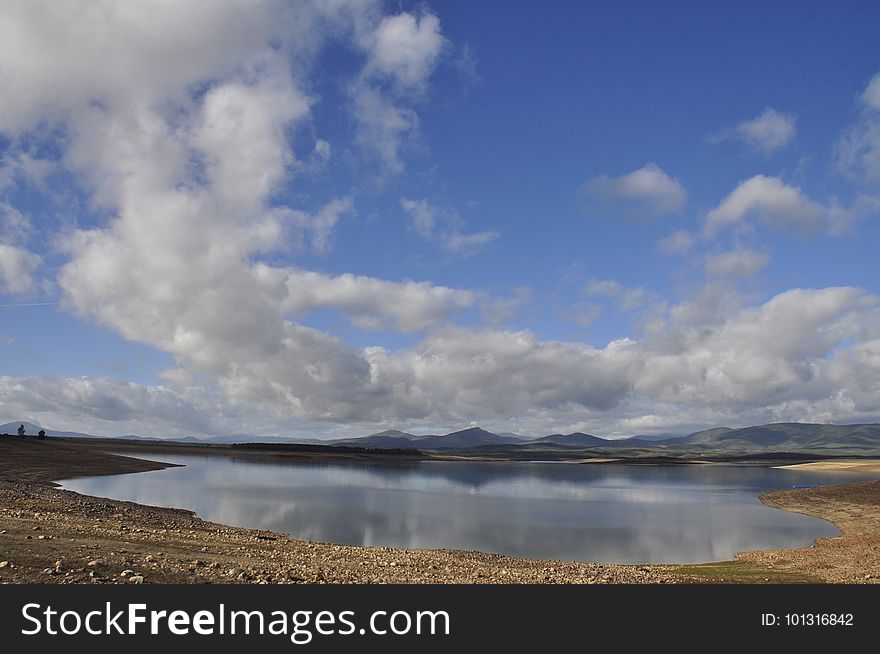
[(764, 356), (736, 263), (857, 151), (18, 265), (644, 193), (241, 134), (768, 200), (444, 227), (317, 228), (185, 162), (406, 48), (384, 128), (766, 133), (111, 407), (871, 94), (679, 242), (626, 298), (17, 270), (499, 310), (422, 216), (403, 51), (582, 313), (802, 354), (20, 165), (404, 306), (460, 243), (15, 226)]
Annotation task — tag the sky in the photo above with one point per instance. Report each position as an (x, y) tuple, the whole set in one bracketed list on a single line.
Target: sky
[(325, 219)]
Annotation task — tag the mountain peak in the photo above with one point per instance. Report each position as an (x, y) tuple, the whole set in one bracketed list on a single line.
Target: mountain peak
[(12, 427), (471, 431)]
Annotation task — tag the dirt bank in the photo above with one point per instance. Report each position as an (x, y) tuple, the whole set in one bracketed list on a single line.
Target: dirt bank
[(852, 557), (838, 465)]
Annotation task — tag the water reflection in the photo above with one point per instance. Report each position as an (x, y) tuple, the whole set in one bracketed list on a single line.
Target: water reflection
[(609, 513)]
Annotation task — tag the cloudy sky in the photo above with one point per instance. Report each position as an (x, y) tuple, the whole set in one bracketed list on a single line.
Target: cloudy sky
[(330, 218)]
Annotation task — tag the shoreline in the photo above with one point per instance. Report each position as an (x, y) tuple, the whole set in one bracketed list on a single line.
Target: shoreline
[(51, 535)]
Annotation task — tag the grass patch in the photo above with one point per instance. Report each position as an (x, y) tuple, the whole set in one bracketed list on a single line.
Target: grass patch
[(742, 572)]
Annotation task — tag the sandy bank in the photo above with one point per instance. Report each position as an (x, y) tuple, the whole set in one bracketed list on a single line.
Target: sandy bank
[(838, 465)]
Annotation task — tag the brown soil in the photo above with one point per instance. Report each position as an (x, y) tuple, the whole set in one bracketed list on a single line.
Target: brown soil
[(49, 535)]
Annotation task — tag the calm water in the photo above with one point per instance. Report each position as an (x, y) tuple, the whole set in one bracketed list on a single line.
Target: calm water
[(609, 513)]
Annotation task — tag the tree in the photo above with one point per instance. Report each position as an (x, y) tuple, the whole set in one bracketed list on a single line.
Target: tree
[(21, 430), (41, 434)]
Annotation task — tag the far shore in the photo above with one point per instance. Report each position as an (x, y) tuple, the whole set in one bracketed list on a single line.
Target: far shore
[(51, 535), (837, 465)]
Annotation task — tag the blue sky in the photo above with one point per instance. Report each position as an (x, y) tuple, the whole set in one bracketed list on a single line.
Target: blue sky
[(331, 219)]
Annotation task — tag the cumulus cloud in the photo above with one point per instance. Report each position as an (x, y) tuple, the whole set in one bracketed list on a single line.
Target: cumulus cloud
[(766, 133), (763, 356), (444, 227), (768, 200), (736, 263), (857, 151), (403, 51), (100, 404), (406, 49), (184, 167), (803, 353), (186, 163), (644, 193), (373, 303)]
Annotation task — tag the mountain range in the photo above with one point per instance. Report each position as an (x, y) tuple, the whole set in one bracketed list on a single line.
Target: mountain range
[(776, 437)]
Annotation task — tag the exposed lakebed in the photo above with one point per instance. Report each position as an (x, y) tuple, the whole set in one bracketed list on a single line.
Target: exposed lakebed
[(598, 512)]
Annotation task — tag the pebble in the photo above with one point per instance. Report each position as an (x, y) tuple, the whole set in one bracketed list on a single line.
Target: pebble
[(4, 564), (136, 579)]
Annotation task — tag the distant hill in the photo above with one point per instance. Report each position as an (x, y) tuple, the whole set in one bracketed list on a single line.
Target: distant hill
[(576, 439), (31, 430), (790, 437), (582, 440), (464, 439), (390, 438), (654, 438), (473, 437)]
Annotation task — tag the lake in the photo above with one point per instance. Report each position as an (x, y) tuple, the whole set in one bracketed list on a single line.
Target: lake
[(603, 513)]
